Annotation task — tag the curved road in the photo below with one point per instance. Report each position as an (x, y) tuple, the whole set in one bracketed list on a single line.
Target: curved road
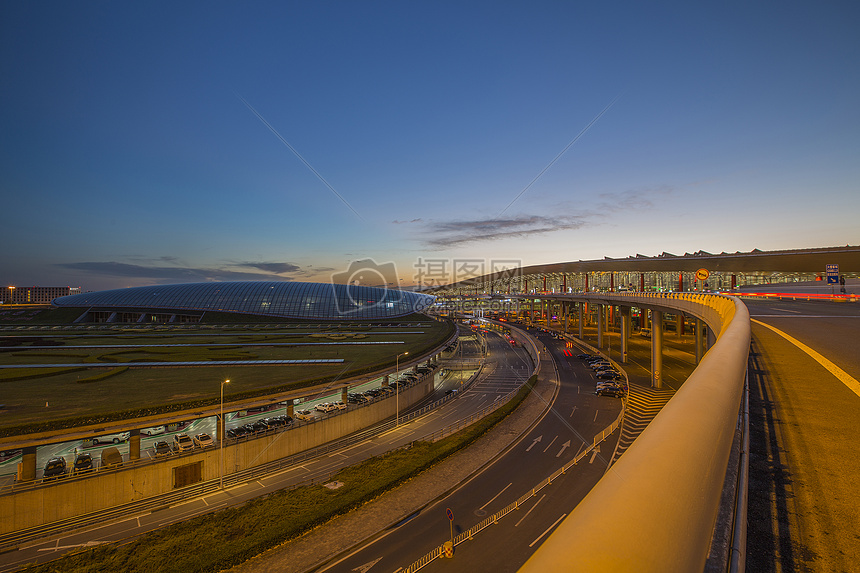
[(804, 470)]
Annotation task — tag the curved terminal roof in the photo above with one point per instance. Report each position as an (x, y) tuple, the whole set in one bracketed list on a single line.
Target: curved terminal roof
[(273, 298)]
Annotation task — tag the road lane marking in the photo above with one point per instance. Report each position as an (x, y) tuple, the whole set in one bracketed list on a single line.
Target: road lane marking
[(572, 411), (840, 374), (550, 444), (563, 515), (564, 446), (495, 496), (366, 567), (530, 510), (595, 415), (536, 440)]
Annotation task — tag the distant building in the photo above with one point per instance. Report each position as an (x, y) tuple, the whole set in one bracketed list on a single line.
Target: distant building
[(188, 302), (35, 294)]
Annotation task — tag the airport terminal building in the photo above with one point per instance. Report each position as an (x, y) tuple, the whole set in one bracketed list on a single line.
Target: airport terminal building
[(290, 300)]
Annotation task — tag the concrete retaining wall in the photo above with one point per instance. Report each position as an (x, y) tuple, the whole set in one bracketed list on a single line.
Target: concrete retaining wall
[(71, 497)]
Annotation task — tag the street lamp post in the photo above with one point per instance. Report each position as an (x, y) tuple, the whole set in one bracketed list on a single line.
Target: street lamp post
[(397, 388), (223, 432)]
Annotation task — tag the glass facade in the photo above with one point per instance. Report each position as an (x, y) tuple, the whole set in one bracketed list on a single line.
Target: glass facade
[(287, 299)]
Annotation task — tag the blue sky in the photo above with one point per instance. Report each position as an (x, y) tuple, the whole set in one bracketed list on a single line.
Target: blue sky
[(151, 142)]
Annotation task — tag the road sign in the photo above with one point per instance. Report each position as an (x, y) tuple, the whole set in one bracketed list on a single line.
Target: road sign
[(833, 274), (450, 514), (702, 274)]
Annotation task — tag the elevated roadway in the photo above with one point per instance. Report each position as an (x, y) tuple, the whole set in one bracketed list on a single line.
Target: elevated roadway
[(804, 404)]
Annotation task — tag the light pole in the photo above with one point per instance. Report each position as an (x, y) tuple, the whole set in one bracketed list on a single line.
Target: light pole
[(223, 432), (397, 388)]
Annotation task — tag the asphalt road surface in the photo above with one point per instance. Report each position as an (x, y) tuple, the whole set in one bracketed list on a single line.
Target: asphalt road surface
[(804, 468)]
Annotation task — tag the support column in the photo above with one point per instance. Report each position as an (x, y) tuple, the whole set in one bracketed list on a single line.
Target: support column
[(385, 380), (547, 308), (641, 282), (600, 327), (679, 324), (579, 320), (134, 445), (656, 349), (344, 395), (565, 307), (27, 471), (290, 409), (698, 342), (625, 332)]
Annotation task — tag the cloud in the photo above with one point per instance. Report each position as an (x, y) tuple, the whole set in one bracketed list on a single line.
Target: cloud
[(418, 220), (456, 233), (278, 268), (173, 274)]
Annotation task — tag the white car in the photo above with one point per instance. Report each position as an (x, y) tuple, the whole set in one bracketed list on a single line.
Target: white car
[(111, 438), (325, 407), (203, 440), (154, 431), (305, 415), (182, 443), (338, 405)]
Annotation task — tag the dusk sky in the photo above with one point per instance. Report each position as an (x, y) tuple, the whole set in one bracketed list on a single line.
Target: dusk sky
[(163, 142)]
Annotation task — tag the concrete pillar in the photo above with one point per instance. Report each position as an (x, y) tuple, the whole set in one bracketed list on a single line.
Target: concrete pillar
[(679, 324), (547, 309), (134, 445), (656, 349), (385, 380), (579, 320), (599, 326), (641, 282), (290, 409), (27, 470), (565, 306), (625, 332), (698, 343), (344, 395)]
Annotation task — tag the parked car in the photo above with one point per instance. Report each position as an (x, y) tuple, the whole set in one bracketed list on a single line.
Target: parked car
[(305, 415), (111, 457), (83, 463), (614, 391), (646, 332), (583, 356), (162, 448), (237, 432), (182, 443), (203, 440), (111, 438), (55, 468), (324, 407), (339, 405), (610, 375), (153, 431)]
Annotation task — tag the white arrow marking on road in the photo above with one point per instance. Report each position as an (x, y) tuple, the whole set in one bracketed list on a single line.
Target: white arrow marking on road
[(564, 446), (366, 567), (594, 453), (87, 544), (534, 442)]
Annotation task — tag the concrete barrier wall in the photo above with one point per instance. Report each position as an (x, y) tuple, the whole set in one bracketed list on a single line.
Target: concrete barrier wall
[(68, 498)]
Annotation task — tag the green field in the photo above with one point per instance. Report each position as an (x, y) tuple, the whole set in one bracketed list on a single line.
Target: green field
[(85, 394)]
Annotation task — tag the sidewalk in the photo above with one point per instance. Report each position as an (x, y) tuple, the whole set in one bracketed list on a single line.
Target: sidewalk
[(347, 531)]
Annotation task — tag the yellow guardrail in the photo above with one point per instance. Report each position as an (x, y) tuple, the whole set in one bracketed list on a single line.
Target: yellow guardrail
[(655, 509)]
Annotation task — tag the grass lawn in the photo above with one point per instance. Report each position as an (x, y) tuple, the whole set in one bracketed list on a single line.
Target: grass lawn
[(81, 394)]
